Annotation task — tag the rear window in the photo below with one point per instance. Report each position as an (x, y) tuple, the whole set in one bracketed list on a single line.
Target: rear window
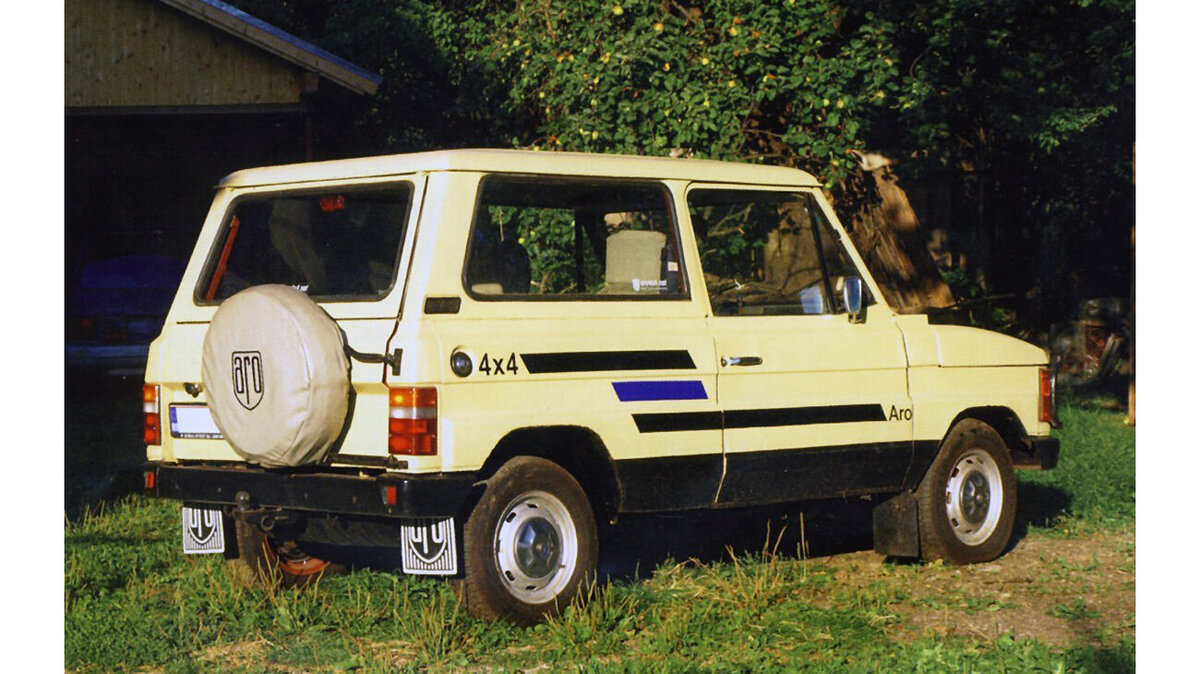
[(341, 245)]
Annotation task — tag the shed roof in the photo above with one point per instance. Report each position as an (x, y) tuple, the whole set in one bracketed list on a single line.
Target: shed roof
[(280, 43), (524, 161)]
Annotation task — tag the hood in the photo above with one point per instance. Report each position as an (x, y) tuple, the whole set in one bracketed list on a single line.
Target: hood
[(959, 346)]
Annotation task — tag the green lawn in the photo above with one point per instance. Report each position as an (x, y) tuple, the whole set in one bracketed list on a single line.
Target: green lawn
[(133, 600)]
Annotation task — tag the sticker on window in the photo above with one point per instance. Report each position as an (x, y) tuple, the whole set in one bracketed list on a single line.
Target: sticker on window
[(649, 284)]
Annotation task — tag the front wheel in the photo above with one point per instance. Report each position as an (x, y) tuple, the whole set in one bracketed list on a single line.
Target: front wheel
[(968, 498), (529, 543)]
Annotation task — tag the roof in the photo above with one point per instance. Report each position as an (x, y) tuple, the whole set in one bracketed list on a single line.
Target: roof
[(280, 43), (524, 161)]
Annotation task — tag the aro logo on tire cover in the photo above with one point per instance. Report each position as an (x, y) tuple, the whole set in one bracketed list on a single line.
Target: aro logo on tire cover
[(248, 378)]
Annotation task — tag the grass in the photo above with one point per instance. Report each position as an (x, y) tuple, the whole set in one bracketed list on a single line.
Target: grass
[(132, 601), (1094, 483)]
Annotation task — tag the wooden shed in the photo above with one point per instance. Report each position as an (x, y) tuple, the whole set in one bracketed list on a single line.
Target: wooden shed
[(164, 97)]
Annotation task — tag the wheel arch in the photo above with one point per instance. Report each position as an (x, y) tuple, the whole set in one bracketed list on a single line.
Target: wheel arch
[(1006, 422), (579, 450)]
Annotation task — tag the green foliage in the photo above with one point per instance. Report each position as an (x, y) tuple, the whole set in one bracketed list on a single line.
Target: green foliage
[(1033, 103), (781, 82), (1023, 109)]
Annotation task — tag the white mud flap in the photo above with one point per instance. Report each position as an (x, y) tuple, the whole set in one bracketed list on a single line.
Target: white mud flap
[(429, 547), (203, 531)]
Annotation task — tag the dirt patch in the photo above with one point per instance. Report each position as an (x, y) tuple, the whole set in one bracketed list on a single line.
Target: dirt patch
[(1059, 591)]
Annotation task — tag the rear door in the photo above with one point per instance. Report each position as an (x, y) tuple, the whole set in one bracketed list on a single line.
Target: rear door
[(345, 244), (813, 405)]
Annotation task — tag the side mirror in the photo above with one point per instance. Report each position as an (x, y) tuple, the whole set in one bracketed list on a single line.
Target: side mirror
[(852, 299)]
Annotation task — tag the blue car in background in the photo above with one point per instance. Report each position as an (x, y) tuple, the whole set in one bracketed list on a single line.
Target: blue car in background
[(116, 309)]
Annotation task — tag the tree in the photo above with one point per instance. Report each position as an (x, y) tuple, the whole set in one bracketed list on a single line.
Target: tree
[(1021, 110)]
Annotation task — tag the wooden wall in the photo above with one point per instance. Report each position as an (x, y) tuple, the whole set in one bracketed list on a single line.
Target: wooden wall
[(144, 53)]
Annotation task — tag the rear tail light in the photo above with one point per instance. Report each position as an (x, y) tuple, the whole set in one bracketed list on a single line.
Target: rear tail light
[(151, 419), (412, 421)]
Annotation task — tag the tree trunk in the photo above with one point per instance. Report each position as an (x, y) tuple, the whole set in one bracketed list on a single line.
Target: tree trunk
[(894, 245)]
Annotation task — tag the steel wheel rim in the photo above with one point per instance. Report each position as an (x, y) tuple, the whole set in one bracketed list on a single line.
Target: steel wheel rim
[(974, 497), (536, 547)]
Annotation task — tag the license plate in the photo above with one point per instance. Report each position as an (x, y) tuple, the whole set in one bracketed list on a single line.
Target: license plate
[(203, 531), (193, 421), (428, 547)]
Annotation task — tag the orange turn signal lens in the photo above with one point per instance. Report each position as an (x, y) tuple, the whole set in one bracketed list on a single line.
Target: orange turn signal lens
[(413, 397)]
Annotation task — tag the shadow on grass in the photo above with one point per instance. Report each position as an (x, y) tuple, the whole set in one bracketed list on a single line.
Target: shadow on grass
[(632, 548), (1039, 505), (637, 544)]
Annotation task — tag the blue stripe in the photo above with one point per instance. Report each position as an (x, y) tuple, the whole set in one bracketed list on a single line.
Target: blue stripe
[(635, 391)]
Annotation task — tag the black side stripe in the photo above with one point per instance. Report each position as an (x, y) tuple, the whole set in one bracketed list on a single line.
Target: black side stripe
[(607, 361), (758, 418), (677, 421), (803, 416)]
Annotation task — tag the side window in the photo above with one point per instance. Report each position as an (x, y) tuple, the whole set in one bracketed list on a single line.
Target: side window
[(559, 238), (342, 244), (768, 253)]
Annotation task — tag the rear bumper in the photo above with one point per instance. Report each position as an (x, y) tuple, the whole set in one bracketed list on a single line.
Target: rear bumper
[(437, 495)]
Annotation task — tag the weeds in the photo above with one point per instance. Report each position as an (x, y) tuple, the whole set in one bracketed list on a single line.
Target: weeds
[(1076, 610), (598, 622), (436, 627)]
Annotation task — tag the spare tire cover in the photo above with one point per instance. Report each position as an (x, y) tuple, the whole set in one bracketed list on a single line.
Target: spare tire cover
[(276, 376)]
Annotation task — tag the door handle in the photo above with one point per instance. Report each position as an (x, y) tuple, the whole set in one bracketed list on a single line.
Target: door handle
[(740, 360)]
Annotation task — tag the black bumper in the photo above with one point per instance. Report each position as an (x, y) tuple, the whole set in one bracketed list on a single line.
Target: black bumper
[(434, 495), (1045, 450)]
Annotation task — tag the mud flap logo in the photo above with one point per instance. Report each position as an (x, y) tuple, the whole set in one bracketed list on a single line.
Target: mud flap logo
[(248, 378), (429, 547), (203, 530)]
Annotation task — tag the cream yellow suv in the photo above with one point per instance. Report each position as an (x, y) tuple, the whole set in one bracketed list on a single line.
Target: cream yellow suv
[(475, 356)]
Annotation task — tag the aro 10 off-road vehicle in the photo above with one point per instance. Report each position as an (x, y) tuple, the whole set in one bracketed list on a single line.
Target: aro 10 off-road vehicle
[(476, 356)]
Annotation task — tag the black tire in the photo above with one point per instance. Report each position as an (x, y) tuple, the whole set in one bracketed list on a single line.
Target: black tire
[(264, 562), (960, 518), (529, 544)]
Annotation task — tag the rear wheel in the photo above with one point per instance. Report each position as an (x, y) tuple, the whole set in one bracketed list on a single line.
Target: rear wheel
[(264, 561), (968, 499), (529, 543)]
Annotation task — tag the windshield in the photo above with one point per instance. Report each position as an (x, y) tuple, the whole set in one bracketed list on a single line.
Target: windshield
[(333, 245)]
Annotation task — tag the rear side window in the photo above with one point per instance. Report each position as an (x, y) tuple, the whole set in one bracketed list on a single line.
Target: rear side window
[(768, 253), (341, 245), (560, 238)]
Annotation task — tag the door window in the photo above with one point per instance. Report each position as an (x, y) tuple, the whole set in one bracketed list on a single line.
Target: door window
[(570, 238), (768, 253)]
